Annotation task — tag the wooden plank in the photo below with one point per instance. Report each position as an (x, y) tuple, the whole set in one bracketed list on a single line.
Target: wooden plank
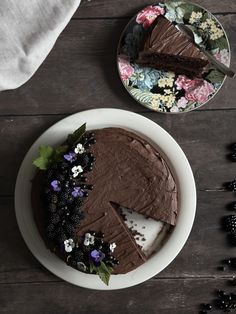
[(157, 296), (201, 256), (203, 136), (80, 73), (121, 8)]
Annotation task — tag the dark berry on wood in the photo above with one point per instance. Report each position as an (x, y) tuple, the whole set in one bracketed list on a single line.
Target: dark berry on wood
[(233, 156), (229, 223)]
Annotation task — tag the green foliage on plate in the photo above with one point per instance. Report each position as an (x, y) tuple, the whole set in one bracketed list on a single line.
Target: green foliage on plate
[(144, 97), (103, 271), (49, 155), (215, 76), (77, 135)]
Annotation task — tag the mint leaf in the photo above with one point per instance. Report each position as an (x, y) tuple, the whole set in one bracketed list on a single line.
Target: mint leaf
[(76, 136), (45, 155), (104, 273)]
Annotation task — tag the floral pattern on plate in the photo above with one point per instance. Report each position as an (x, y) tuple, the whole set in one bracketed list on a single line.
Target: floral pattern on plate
[(166, 91)]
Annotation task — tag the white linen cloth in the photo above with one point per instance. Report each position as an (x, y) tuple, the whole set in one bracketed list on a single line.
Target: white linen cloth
[(28, 31)]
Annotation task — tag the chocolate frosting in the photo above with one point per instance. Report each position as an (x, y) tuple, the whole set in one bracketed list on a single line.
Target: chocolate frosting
[(165, 38), (128, 171)]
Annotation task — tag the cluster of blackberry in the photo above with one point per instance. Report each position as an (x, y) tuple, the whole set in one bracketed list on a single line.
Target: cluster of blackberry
[(226, 302), (64, 193), (80, 257)]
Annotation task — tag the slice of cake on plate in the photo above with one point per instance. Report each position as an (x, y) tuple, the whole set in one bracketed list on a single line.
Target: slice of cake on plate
[(166, 48)]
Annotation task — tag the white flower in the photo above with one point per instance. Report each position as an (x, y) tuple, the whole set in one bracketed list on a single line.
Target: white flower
[(79, 149), (76, 170), (88, 239), (69, 245), (112, 247)]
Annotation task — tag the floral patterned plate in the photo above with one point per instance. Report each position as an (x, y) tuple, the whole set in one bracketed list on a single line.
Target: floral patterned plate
[(166, 91)]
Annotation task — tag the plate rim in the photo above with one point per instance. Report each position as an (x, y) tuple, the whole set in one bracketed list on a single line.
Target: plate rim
[(180, 112), (188, 198)]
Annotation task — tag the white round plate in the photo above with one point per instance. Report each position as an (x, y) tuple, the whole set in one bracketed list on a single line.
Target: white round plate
[(178, 163)]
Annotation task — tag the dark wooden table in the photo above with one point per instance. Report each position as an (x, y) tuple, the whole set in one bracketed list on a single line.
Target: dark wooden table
[(80, 73)]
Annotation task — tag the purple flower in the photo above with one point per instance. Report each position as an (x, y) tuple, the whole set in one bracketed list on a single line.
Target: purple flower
[(77, 192), (97, 257), (56, 185), (71, 157)]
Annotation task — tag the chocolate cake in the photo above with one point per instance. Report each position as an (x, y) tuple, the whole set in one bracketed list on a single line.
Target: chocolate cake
[(167, 48), (122, 169)]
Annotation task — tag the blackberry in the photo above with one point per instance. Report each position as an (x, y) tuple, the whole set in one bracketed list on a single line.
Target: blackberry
[(60, 211), (233, 156), (78, 256), (232, 239), (84, 160), (50, 228), (70, 200), (54, 167), (92, 140), (60, 177), (73, 263), (67, 184), (83, 179), (85, 194), (55, 219), (61, 203), (75, 219), (52, 208), (50, 231), (49, 173), (232, 186), (53, 198), (61, 237), (63, 165), (81, 215), (70, 230), (229, 223), (233, 262), (64, 196), (78, 203), (232, 206), (233, 146)]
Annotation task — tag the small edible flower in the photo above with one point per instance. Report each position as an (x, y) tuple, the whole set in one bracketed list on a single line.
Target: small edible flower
[(79, 149), (97, 256), (71, 157), (112, 247), (77, 192), (56, 185), (88, 239), (76, 170), (69, 245)]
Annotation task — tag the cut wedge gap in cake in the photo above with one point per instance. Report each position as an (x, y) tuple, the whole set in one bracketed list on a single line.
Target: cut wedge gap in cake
[(149, 234)]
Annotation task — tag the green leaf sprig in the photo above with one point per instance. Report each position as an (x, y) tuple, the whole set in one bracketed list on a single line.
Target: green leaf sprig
[(49, 155), (103, 271)]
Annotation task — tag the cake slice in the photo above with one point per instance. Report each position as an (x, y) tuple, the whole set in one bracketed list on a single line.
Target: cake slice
[(167, 48)]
